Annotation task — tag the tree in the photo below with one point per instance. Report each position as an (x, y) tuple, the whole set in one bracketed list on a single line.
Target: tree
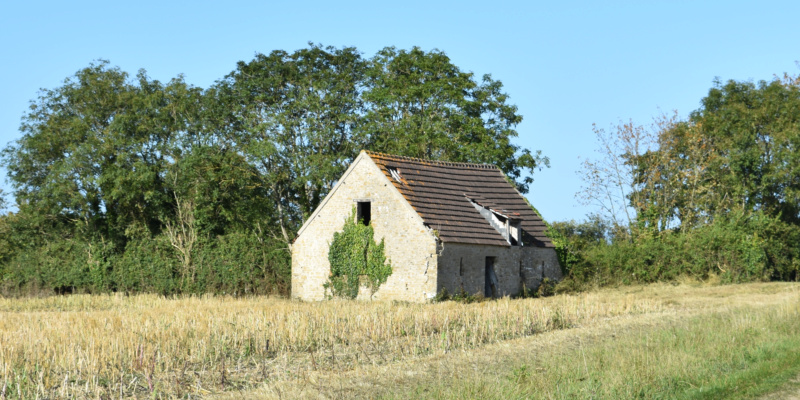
[(94, 151), (755, 133), (419, 104), (738, 152), (300, 118), (673, 186), (6, 245), (292, 116), (113, 171), (610, 181)]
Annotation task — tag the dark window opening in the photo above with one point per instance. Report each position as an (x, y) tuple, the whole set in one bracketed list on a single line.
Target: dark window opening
[(490, 279), (364, 212)]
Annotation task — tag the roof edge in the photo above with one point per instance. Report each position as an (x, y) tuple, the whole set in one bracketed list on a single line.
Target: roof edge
[(324, 201), (388, 182), (426, 161)]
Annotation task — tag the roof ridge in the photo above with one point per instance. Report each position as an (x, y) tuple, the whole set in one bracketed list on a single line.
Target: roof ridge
[(422, 160)]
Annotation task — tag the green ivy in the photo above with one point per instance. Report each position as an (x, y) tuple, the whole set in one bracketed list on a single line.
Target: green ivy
[(356, 260)]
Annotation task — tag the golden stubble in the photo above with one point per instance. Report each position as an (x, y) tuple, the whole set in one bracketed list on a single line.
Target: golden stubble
[(134, 346)]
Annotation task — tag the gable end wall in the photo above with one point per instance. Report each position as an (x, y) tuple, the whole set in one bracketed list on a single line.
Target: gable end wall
[(409, 245)]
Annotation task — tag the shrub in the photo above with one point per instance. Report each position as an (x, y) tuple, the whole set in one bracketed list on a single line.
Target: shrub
[(242, 263), (738, 248), (146, 265)]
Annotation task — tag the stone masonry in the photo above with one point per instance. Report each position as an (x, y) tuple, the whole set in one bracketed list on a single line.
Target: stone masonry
[(422, 264), (462, 268), (410, 246)]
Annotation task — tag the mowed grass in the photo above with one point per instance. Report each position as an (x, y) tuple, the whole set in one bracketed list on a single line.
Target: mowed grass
[(148, 346), (735, 354)]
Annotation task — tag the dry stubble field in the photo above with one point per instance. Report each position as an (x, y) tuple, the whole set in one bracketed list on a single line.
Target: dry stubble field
[(90, 346)]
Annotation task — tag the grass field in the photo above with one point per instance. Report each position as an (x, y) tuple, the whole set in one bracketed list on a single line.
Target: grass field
[(652, 341)]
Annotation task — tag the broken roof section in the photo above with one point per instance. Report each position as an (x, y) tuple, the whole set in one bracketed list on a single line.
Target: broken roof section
[(442, 194)]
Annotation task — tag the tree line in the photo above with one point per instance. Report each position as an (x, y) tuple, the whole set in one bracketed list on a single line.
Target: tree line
[(125, 183), (714, 195)]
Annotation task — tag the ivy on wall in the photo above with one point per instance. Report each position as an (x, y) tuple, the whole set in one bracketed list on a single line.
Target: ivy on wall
[(356, 260)]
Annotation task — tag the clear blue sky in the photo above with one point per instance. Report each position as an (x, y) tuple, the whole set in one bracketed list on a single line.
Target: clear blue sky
[(566, 65)]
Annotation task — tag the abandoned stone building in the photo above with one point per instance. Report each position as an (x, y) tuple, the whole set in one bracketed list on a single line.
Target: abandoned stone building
[(446, 226)]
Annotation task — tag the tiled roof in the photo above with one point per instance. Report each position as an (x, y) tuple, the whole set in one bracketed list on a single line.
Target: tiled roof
[(440, 192)]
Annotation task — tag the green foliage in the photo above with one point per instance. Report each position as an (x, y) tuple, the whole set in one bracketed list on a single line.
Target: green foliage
[(715, 194), (572, 239), (460, 296), (62, 265), (546, 288), (243, 264), (145, 266), (293, 116), (140, 185), (7, 245), (467, 120), (737, 153), (225, 191), (356, 260), (737, 248), (237, 263), (95, 150)]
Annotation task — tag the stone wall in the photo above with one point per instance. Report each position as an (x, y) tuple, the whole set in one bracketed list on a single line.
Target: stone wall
[(410, 246), (539, 263), (462, 268)]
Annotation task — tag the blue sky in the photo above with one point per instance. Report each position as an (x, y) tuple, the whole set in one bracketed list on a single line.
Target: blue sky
[(566, 65)]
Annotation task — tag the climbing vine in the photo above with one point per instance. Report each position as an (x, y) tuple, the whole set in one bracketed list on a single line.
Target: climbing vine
[(356, 260)]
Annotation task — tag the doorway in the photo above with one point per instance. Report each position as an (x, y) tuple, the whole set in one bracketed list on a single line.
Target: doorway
[(490, 279)]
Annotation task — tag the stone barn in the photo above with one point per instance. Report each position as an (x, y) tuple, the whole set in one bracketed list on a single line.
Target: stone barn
[(446, 226)]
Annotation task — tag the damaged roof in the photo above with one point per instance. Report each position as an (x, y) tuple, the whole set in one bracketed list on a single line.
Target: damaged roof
[(442, 194)]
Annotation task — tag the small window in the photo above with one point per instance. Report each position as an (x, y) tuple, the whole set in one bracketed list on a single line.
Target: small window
[(364, 212)]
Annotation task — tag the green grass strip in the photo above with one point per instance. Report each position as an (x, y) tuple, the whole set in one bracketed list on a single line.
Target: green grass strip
[(779, 364), (740, 354)]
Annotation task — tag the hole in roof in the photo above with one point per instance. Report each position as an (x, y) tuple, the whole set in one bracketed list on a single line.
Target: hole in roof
[(395, 173)]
